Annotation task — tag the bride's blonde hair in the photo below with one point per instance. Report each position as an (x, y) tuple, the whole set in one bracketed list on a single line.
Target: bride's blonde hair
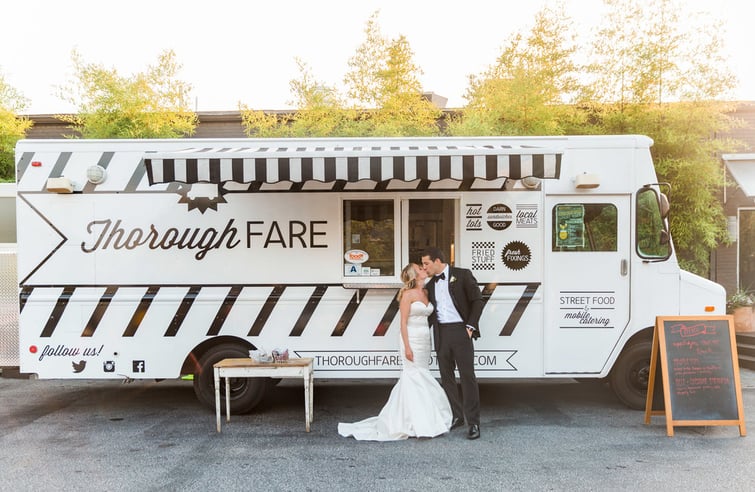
[(409, 277)]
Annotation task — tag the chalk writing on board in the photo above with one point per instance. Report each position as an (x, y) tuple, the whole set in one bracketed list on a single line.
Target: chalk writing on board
[(694, 371), (685, 331), (701, 379)]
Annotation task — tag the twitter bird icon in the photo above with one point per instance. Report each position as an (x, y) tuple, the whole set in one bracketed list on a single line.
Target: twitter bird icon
[(79, 366)]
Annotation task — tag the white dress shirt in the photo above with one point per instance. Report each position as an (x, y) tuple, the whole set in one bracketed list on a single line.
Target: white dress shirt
[(446, 311)]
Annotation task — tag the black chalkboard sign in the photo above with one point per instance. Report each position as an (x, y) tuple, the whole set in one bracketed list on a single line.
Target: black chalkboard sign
[(697, 357)]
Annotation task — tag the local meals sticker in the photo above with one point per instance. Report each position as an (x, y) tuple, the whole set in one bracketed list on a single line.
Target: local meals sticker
[(516, 255), (499, 216)]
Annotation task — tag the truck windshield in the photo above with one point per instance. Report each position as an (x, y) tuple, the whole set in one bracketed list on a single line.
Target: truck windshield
[(652, 236)]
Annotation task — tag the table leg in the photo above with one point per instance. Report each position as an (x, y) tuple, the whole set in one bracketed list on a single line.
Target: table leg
[(311, 396), (307, 390), (217, 398), (227, 400)]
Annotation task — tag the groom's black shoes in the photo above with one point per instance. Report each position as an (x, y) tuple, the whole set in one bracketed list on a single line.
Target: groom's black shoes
[(474, 431), (456, 423)]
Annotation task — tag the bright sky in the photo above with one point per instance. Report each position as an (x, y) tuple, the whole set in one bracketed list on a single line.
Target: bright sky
[(244, 51)]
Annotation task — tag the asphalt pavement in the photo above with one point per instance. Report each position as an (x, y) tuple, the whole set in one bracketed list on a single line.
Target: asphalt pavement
[(536, 435)]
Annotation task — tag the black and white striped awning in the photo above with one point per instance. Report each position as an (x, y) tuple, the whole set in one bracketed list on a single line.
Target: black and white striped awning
[(350, 164)]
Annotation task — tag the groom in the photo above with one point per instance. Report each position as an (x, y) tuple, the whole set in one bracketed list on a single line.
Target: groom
[(455, 321)]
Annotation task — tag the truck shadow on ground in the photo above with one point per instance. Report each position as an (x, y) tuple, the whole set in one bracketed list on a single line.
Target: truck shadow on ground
[(505, 403)]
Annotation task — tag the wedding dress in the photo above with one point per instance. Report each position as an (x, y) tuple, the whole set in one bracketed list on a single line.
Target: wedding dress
[(417, 406)]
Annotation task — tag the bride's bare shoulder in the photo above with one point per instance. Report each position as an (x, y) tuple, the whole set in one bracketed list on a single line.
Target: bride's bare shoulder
[(410, 296)]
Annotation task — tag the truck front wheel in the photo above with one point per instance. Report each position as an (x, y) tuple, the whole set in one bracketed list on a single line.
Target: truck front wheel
[(629, 376), (246, 393)]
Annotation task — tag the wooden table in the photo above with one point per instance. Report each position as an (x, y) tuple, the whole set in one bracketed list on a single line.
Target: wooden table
[(248, 368)]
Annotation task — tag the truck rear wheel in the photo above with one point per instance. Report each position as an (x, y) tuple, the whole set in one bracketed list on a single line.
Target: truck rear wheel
[(246, 393), (629, 376)]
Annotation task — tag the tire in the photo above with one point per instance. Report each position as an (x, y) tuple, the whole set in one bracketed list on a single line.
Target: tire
[(629, 376), (246, 393)]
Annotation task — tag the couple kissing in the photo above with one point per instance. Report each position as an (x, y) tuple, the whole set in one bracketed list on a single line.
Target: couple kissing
[(447, 299)]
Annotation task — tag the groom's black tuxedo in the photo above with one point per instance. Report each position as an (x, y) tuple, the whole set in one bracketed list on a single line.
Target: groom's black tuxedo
[(466, 296), (454, 346)]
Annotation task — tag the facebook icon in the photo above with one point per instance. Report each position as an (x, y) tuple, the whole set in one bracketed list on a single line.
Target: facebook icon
[(137, 365)]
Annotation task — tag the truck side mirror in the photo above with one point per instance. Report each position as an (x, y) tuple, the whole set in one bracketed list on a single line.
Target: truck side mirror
[(665, 207)]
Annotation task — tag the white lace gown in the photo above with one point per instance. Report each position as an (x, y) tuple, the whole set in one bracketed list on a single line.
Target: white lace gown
[(417, 406)]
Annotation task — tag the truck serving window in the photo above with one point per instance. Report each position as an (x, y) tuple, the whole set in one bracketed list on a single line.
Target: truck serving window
[(584, 227), (652, 237), (368, 226)]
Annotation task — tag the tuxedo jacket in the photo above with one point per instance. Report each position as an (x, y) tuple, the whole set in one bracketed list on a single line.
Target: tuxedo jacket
[(466, 297)]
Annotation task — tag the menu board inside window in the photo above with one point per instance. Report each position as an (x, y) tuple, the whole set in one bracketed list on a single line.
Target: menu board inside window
[(570, 226)]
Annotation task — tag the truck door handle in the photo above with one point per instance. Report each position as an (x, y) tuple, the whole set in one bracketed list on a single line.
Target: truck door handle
[(624, 267)]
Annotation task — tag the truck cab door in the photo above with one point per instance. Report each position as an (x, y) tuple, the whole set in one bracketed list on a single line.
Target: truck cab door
[(586, 280)]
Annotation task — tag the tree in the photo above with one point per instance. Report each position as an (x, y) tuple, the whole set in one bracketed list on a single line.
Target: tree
[(644, 54), (384, 81), (12, 127), (526, 91), (152, 104), (652, 77), (383, 97), (321, 112)]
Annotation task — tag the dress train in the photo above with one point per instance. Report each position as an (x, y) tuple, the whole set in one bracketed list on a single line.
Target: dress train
[(417, 405)]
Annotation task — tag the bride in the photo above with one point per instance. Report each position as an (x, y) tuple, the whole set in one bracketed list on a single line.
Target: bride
[(417, 406)]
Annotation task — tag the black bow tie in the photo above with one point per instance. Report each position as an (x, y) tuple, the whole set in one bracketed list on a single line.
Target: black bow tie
[(442, 276)]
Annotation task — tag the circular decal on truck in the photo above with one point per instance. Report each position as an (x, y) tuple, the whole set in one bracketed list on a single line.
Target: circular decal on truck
[(516, 255), (356, 256), (499, 216)]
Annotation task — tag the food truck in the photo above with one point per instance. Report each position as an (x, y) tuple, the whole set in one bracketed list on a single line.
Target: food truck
[(158, 258)]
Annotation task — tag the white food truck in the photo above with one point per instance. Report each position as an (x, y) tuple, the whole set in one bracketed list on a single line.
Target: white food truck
[(157, 258)]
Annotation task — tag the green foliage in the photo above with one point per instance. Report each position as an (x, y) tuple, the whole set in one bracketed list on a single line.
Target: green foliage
[(524, 91), (12, 127), (643, 53), (652, 240), (383, 98), (652, 77), (152, 104), (740, 298), (322, 113), (323, 109), (262, 125), (647, 75), (602, 228), (383, 78)]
